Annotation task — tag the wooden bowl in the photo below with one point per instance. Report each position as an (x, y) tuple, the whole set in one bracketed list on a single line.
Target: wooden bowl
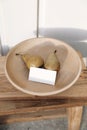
[(17, 73)]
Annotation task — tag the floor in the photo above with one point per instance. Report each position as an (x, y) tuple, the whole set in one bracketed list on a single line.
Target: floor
[(53, 124)]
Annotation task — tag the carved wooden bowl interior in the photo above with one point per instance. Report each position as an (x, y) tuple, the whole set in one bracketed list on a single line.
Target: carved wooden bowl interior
[(17, 73)]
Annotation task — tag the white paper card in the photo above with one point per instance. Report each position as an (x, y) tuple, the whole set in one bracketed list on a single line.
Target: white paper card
[(42, 75)]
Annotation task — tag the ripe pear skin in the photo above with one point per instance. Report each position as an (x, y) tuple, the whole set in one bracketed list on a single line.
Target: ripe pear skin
[(52, 62), (32, 61), (25, 58)]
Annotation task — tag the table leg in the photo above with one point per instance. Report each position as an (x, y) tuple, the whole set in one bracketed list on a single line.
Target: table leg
[(74, 117)]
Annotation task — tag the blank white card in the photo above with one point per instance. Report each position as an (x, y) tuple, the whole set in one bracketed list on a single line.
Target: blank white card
[(42, 75)]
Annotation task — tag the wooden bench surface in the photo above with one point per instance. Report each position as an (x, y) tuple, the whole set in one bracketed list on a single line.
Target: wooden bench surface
[(19, 106), (8, 92), (77, 92)]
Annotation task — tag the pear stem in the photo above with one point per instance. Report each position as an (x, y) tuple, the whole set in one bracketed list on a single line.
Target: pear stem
[(17, 54), (55, 51)]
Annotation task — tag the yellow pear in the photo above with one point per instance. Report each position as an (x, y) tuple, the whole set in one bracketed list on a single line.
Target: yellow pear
[(52, 62), (32, 60), (25, 57)]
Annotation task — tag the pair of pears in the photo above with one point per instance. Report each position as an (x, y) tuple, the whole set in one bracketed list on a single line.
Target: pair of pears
[(51, 63)]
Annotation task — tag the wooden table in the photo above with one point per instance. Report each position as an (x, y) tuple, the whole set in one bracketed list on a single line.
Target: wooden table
[(16, 106)]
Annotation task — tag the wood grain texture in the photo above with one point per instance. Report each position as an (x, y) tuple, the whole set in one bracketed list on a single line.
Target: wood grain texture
[(14, 104), (17, 73), (31, 116), (8, 92), (74, 118)]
